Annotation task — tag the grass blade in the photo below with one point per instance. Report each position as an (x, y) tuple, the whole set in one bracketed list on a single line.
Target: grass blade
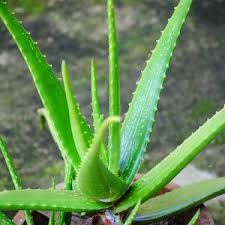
[(195, 218), (4, 220), (49, 87), (140, 118), (168, 168), (133, 214), (94, 178), (49, 200), (69, 176), (82, 134), (180, 200), (10, 165), (52, 214), (14, 176), (114, 90)]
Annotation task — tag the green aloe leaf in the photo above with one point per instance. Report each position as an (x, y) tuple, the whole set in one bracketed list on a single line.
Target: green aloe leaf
[(94, 178), (4, 220), (179, 200), (195, 218), (114, 90), (140, 118), (49, 200), (49, 87), (167, 169), (82, 134)]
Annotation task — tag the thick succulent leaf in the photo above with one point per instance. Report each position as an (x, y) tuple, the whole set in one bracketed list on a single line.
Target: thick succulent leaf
[(4, 220), (195, 218), (94, 178), (82, 134), (49, 200), (49, 87), (140, 118), (167, 169), (179, 200), (14, 176), (96, 112), (114, 90)]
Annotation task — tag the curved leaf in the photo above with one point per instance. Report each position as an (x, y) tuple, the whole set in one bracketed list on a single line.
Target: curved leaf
[(140, 118), (94, 178), (49, 87), (180, 200), (167, 169), (50, 200)]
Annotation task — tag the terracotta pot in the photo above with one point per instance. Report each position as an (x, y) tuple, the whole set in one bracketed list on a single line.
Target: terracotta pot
[(41, 218)]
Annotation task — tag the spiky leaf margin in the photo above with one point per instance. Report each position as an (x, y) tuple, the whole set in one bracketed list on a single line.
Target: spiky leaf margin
[(140, 118)]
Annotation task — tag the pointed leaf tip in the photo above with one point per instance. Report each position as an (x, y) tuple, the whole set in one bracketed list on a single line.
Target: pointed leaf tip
[(139, 121), (94, 178), (114, 89)]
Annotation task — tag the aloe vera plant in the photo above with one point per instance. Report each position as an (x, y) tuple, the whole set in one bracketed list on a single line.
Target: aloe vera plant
[(99, 172)]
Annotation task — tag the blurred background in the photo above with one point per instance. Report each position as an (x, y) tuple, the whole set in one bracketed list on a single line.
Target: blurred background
[(77, 31)]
